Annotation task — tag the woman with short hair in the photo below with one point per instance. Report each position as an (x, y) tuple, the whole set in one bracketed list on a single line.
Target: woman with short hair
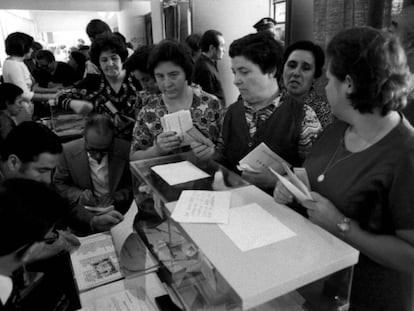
[(114, 92), (263, 114), (361, 169), (171, 65), (302, 66), (15, 71)]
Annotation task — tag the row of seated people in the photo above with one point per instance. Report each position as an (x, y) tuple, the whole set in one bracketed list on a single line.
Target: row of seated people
[(360, 166)]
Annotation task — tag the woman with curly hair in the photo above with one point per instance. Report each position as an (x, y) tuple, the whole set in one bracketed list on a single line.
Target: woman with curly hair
[(171, 65), (114, 92), (361, 168)]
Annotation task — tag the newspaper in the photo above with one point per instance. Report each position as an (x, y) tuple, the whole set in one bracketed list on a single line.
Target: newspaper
[(109, 256)]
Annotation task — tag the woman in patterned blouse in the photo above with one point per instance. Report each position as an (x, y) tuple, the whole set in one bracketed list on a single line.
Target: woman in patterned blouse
[(302, 65), (114, 92), (171, 65)]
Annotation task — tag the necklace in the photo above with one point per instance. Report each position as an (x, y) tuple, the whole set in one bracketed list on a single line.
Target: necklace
[(331, 162)]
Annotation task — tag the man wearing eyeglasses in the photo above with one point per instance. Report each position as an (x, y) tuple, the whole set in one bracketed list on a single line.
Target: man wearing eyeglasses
[(50, 74), (31, 151), (94, 171)]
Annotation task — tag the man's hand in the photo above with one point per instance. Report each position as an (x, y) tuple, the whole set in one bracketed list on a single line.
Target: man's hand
[(106, 200), (106, 221), (87, 198)]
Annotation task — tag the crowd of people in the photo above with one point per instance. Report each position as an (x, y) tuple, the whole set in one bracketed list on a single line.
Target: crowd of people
[(356, 143)]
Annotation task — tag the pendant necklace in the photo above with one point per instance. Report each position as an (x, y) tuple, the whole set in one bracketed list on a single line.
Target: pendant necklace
[(331, 164)]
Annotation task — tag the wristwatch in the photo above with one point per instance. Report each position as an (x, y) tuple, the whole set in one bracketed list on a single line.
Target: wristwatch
[(344, 226)]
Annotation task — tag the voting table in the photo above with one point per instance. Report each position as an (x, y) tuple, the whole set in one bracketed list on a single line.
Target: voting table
[(206, 268)]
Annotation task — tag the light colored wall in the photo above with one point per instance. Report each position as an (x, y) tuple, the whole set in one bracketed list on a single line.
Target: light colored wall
[(70, 5), (157, 21), (301, 20), (234, 18), (131, 22)]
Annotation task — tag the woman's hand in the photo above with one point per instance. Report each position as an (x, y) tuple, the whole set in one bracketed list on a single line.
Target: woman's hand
[(322, 212), (264, 179), (281, 194), (201, 151), (81, 107), (168, 141)]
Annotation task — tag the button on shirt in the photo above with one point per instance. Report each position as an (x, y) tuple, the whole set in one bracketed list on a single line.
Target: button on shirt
[(99, 175)]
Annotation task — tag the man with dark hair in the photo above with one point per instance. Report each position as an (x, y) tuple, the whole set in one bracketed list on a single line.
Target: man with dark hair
[(205, 70), (28, 212), (31, 151), (50, 74), (94, 170)]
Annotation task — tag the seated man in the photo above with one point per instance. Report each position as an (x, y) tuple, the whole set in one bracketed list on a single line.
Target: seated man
[(50, 74), (94, 170), (28, 212), (31, 150)]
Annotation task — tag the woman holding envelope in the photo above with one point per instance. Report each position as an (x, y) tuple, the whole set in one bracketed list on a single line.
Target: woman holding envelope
[(361, 169), (262, 114), (171, 65)]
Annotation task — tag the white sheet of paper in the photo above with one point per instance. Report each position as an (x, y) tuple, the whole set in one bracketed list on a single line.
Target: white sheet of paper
[(250, 227), (199, 206), (180, 172), (262, 157)]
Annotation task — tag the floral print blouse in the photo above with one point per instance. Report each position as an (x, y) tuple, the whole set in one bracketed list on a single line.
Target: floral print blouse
[(205, 111), (97, 90)]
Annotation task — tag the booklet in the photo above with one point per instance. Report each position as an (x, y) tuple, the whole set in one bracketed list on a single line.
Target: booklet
[(179, 122), (260, 158), (109, 256), (299, 190)]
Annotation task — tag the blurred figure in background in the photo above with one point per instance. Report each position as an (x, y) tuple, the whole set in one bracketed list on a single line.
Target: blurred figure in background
[(10, 106), (193, 42), (51, 75), (19, 47), (30, 62), (205, 71), (77, 60), (95, 28), (137, 63)]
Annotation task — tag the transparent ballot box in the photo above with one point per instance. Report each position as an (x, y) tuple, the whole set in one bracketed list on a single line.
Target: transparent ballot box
[(205, 269)]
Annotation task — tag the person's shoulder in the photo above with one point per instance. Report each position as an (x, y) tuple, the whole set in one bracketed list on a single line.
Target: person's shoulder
[(74, 146)]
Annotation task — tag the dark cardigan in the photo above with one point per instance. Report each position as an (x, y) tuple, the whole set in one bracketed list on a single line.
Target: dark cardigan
[(280, 132)]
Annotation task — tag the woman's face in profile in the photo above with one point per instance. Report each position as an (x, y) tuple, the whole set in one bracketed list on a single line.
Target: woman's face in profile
[(170, 79), (299, 72), (110, 63), (252, 83)]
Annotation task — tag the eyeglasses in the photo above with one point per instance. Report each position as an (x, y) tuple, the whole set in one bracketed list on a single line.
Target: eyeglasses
[(51, 238)]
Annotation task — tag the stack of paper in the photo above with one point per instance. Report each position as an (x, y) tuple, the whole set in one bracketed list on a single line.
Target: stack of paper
[(179, 122), (199, 206)]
